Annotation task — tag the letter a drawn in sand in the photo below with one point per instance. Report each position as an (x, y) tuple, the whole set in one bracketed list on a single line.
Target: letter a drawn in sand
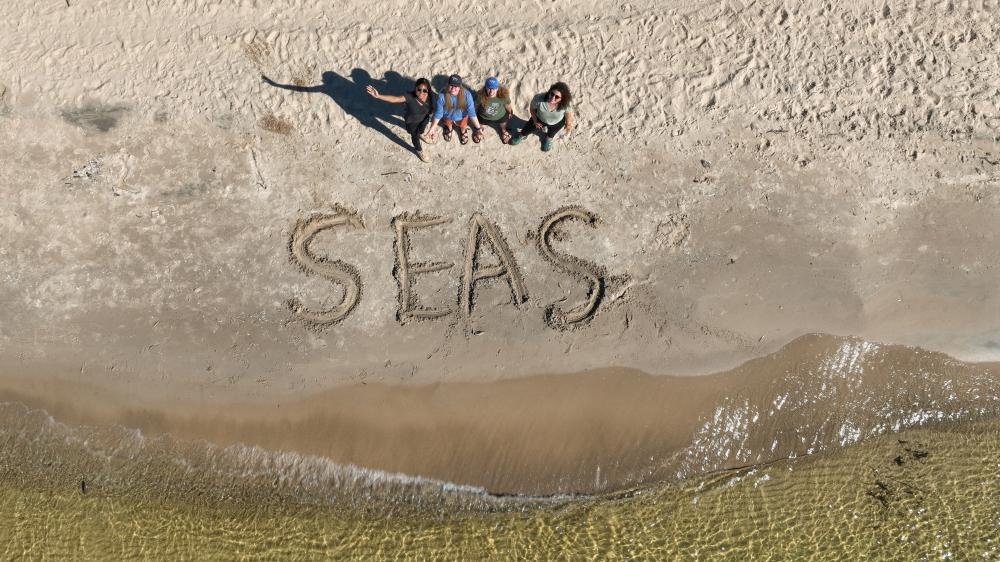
[(405, 271), (336, 271), (590, 272), (481, 229)]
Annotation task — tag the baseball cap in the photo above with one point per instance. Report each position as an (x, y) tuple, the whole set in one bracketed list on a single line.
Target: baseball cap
[(492, 83), (454, 80)]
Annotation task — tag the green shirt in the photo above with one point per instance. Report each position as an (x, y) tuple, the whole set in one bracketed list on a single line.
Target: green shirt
[(544, 114), (494, 109)]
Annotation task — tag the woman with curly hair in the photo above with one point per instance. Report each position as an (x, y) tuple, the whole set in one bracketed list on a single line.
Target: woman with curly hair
[(550, 113), (494, 108)]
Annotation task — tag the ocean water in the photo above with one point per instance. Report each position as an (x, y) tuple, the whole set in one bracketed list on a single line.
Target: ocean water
[(849, 452), (922, 494)]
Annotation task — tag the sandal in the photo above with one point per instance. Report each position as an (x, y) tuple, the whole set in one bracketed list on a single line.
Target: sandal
[(477, 136), (505, 137), (463, 137), (446, 135)]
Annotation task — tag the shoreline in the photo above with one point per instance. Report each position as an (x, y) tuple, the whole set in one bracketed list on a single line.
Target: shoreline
[(588, 432), (730, 313), (862, 499)]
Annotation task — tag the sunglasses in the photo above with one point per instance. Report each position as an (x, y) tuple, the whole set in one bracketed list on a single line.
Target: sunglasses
[(555, 96), (454, 87), (421, 90)]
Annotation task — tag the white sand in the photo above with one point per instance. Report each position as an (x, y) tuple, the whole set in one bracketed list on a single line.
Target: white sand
[(760, 171)]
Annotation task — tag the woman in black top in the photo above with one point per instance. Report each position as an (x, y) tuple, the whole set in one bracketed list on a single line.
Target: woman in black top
[(417, 113)]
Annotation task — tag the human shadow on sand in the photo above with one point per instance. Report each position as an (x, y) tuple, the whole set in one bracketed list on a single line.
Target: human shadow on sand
[(350, 95)]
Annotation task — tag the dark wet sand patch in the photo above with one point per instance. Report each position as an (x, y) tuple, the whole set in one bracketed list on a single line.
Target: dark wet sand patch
[(95, 117), (596, 431)]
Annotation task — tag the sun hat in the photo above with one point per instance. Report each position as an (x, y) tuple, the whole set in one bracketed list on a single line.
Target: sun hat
[(454, 80), (492, 83)]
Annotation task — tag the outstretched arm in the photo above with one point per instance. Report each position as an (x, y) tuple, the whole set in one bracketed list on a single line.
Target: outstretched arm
[(292, 87), (391, 99), (569, 121)]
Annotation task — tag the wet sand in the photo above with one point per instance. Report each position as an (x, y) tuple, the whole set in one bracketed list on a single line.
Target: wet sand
[(589, 432)]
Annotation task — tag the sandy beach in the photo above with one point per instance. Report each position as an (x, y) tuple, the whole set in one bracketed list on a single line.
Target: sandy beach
[(747, 181)]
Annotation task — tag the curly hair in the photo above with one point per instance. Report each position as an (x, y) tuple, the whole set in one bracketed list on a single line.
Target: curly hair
[(563, 90)]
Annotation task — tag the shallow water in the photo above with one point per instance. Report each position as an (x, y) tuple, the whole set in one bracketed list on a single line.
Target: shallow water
[(833, 448), (922, 494)]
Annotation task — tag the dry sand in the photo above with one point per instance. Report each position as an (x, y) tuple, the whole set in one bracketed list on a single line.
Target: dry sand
[(757, 171)]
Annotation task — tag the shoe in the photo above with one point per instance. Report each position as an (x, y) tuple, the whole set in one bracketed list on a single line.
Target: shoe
[(546, 144), (422, 155), (515, 139)]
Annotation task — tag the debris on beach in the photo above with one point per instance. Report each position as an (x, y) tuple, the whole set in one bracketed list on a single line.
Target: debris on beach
[(90, 170)]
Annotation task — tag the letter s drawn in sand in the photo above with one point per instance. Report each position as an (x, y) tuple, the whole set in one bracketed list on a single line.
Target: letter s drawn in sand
[(555, 316), (481, 229), (336, 271), (404, 271)]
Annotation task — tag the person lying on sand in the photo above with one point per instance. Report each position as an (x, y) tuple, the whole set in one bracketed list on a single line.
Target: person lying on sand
[(493, 108), (455, 106), (550, 112), (417, 113)]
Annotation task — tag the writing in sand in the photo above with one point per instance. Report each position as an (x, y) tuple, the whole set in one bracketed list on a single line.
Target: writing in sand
[(481, 232)]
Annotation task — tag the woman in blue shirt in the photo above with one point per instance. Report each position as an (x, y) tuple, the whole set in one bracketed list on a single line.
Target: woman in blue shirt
[(455, 106)]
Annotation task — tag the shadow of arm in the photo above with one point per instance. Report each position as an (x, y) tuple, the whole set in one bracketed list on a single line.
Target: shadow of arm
[(292, 87)]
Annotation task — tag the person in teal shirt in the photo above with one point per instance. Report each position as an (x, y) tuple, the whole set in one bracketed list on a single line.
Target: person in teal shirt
[(494, 108), (550, 113), (455, 107)]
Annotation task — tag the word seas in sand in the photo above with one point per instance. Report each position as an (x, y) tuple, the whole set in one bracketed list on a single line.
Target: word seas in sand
[(482, 233)]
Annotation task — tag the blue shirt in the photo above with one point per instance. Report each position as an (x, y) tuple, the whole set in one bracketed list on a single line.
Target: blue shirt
[(455, 114)]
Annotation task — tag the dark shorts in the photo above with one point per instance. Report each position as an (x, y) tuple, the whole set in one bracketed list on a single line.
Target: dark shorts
[(502, 121)]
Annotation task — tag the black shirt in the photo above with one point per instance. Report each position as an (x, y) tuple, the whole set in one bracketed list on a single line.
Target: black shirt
[(416, 111)]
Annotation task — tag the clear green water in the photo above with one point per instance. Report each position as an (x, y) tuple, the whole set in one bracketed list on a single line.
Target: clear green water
[(921, 494)]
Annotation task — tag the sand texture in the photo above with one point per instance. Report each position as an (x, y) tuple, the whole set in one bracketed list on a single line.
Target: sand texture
[(203, 209)]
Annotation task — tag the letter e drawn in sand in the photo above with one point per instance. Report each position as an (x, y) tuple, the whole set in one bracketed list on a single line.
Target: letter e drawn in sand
[(592, 273), (336, 271), (481, 229), (404, 270)]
